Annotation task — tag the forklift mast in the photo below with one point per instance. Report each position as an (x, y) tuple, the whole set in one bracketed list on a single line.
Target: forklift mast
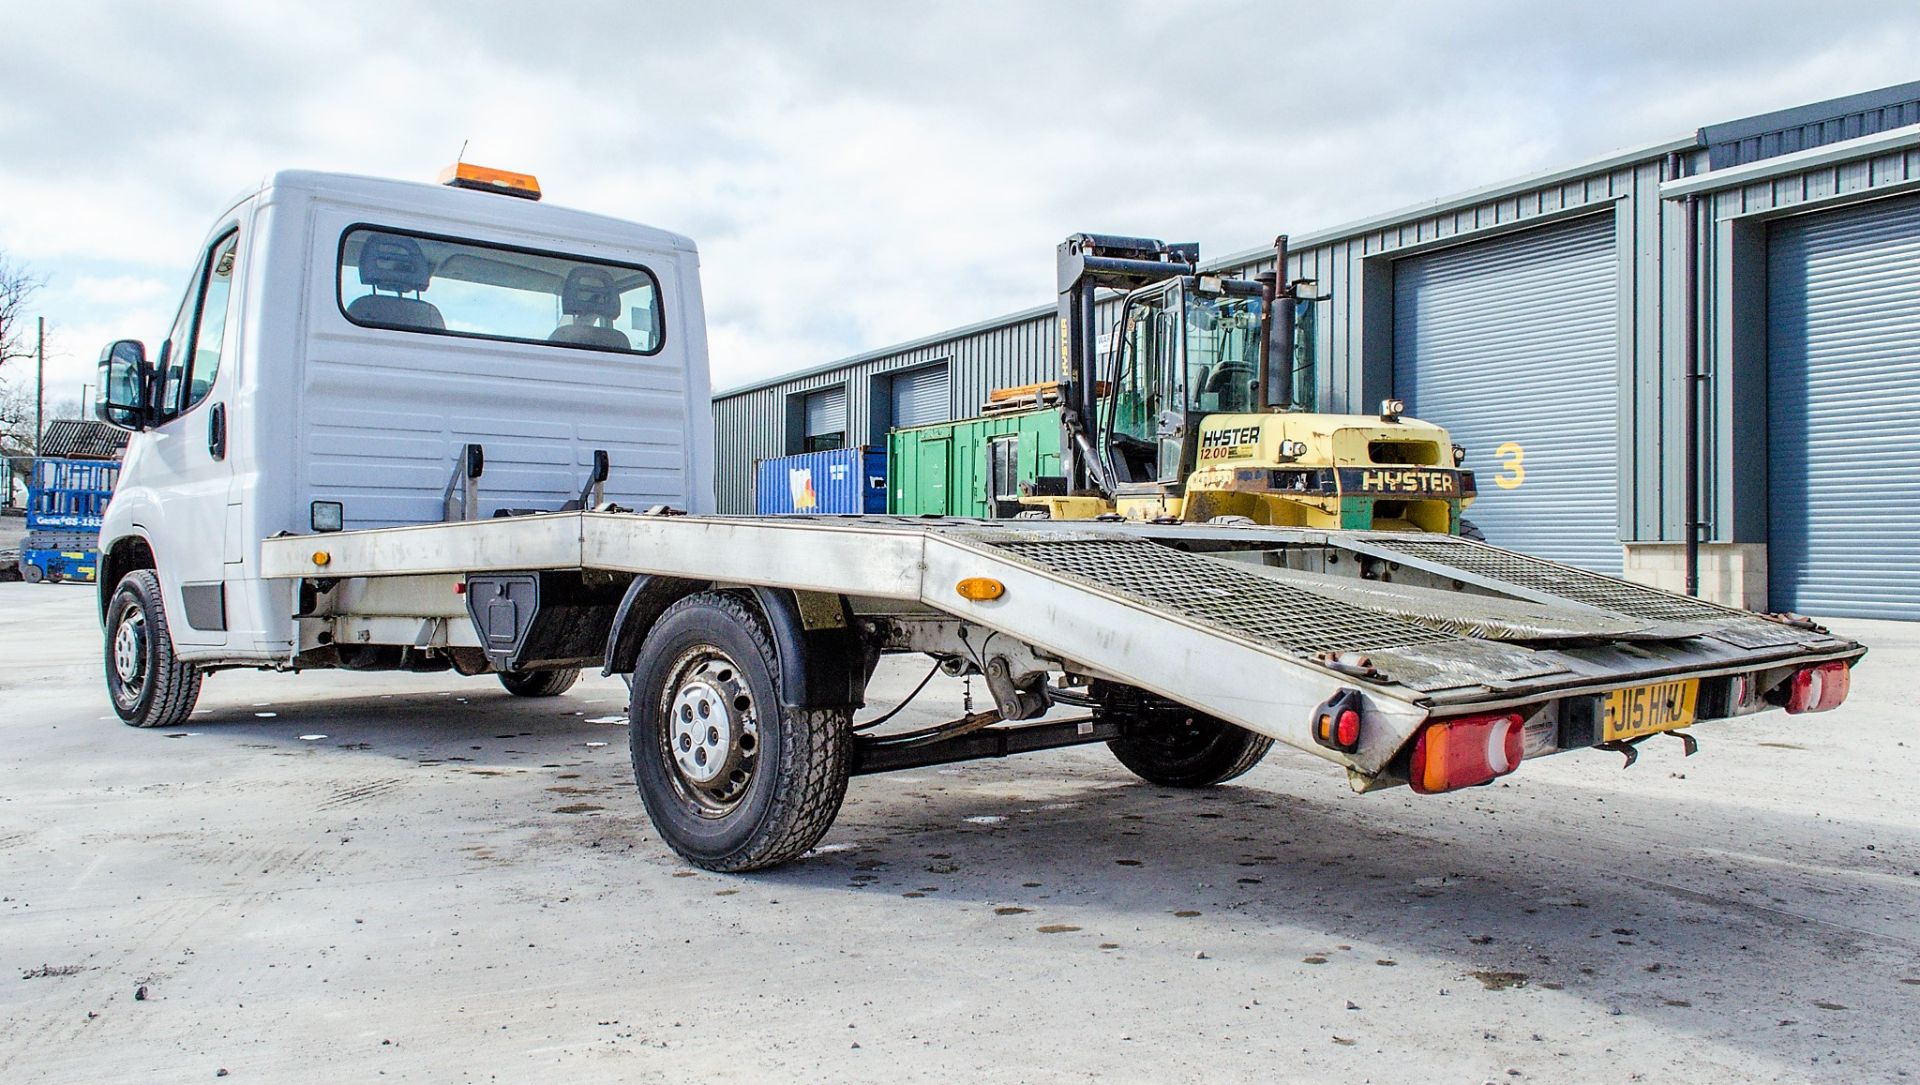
[(1089, 263)]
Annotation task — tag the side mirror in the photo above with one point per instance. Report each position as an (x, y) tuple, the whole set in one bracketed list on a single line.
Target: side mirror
[(125, 377)]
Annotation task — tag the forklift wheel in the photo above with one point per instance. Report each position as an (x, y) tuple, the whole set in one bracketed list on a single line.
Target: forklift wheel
[(1199, 751)]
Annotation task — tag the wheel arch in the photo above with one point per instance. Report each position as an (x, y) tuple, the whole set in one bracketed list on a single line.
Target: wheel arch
[(124, 555), (823, 663)]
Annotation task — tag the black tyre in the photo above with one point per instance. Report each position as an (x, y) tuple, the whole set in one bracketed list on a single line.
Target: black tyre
[(732, 779), (148, 685), (547, 683), (1471, 530), (1191, 751)]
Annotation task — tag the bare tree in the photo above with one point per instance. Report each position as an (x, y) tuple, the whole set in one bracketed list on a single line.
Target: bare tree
[(16, 421), (17, 287)]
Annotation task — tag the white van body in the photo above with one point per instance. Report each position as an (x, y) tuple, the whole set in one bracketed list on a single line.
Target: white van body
[(319, 408)]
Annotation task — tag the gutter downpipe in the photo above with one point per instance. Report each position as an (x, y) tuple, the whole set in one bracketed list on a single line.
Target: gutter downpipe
[(1690, 513)]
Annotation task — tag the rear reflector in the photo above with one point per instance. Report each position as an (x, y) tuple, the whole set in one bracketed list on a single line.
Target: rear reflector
[(1457, 753), (1816, 689), (1337, 723)]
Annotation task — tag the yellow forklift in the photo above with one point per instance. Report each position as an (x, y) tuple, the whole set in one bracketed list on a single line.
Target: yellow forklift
[(1206, 414)]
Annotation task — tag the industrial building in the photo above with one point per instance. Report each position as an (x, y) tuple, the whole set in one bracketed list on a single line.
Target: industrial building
[(1718, 334)]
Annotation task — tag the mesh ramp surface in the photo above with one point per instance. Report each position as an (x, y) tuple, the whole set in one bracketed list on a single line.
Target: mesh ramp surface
[(1212, 591), (1741, 628), (1578, 585)]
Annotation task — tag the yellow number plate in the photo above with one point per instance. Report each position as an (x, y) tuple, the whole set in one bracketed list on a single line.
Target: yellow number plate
[(1630, 713)]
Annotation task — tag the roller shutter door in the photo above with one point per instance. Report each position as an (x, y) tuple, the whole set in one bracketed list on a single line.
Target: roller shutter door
[(1843, 412), (920, 397), (826, 419), (1512, 344)]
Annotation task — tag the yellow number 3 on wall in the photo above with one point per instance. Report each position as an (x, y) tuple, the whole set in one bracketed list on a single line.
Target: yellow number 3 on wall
[(1514, 459)]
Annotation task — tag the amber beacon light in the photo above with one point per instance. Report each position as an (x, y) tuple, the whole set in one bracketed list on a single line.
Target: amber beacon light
[(488, 179)]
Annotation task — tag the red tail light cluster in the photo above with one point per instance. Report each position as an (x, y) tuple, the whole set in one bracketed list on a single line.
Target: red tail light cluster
[(1470, 750), (1816, 689)]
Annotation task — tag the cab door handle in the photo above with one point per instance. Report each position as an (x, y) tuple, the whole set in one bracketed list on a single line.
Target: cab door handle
[(217, 431)]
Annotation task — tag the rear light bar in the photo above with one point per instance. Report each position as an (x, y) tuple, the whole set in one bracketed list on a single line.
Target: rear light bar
[(1816, 689), (1467, 751)]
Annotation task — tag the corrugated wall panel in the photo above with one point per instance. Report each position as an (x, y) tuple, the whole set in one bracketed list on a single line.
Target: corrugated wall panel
[(1843, 411), (1817, 125), (1513, 345)]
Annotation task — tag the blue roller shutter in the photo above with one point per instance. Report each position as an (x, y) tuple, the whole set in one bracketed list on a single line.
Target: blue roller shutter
[(1512, 344), (1843, 412)]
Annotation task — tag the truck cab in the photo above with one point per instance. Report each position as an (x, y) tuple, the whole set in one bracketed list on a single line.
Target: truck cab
[(353, 352)]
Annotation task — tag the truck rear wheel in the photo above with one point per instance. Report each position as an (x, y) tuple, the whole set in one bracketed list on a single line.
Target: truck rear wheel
[(548, 683), (732, 779), (1197, 751), (149, 686)]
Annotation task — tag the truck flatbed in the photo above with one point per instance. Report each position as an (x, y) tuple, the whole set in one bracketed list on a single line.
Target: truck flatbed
[(1255, 626)]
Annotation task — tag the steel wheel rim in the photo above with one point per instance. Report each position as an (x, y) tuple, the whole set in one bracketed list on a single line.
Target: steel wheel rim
[(710, 731), (130, 649)]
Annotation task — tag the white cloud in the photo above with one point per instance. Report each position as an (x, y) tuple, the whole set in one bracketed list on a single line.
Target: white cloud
[(858, 175)]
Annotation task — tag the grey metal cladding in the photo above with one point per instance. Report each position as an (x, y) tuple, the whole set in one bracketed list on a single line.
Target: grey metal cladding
[(1513, 344), (1769, 135), (1843, 411)]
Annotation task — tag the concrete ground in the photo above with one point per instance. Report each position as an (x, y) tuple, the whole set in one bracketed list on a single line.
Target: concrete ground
[(329, 877)]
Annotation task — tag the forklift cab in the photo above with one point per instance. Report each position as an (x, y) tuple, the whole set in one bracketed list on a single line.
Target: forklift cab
[(1184, 348)]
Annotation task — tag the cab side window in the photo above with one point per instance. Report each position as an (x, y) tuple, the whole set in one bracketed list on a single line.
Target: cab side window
[(191, 359)]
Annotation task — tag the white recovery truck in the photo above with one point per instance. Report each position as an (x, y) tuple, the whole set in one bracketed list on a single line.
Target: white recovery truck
[(417, 427)]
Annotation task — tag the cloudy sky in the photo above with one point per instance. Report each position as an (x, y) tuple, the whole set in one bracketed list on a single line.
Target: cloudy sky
[(857, 174)]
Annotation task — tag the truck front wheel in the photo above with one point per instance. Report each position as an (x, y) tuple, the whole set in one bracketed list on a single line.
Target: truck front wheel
[(149, 686), (733, 779), (547, 683)]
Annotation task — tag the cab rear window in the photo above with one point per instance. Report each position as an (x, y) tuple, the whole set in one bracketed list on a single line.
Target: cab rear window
[(416, 282)]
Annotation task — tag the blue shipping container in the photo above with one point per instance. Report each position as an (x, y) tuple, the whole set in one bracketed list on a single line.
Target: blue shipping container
[(840, 482)]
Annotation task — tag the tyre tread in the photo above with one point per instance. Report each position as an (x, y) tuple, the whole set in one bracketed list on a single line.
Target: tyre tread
[(816, 758), (176, 685), (548, 682)]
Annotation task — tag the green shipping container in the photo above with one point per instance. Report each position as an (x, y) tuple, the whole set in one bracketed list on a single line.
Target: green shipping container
[(972, 467)]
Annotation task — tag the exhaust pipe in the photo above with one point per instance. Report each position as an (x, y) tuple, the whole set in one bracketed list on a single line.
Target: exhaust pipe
[(1276, 295)]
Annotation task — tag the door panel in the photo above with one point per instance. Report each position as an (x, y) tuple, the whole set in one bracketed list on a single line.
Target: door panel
[(934, 466), (192, 539), (1843, 400), (1512, 344)]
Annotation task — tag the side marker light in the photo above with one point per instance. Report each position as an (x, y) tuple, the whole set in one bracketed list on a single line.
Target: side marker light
[(980, 588)]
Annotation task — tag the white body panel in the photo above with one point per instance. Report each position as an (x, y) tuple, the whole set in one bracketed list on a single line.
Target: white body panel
[(319, 408)]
